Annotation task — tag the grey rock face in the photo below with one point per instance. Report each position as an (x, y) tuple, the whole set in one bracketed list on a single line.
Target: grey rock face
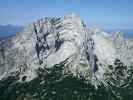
[(49, 41)]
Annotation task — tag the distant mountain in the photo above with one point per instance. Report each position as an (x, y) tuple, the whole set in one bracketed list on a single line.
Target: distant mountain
[(128, 33), (6, 37), (9, 30), (2, 38)]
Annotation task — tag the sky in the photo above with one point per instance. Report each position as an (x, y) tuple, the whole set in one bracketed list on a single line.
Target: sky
[(97, 13)]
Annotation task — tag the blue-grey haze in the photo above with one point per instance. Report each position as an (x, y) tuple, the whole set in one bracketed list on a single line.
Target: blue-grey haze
[(106, 14)]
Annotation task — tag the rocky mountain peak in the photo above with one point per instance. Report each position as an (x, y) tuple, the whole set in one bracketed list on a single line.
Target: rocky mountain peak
[(88, 53)]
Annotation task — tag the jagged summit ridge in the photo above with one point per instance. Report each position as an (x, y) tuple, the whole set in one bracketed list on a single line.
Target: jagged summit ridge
[(50, 41), (40, 43)]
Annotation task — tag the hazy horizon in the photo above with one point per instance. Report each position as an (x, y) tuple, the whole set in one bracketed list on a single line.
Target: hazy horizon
[(103, 13)]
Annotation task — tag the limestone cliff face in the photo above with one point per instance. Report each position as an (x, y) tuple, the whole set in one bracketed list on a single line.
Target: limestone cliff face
[(87, 52)]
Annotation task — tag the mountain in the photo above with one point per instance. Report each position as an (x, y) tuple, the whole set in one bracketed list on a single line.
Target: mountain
[(126, 32), (60, 58), (6, 37), (9, 30), (2, 38)]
